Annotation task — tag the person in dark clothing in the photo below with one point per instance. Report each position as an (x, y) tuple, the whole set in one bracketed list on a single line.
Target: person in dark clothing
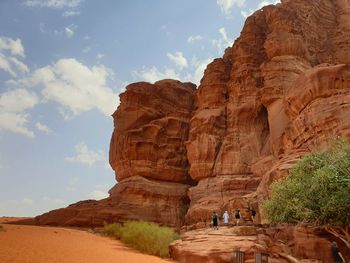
[(337, 256), (215, 219), (237, 216)]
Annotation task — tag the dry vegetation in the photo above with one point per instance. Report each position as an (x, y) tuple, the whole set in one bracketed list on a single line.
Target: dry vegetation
[(146, 237)]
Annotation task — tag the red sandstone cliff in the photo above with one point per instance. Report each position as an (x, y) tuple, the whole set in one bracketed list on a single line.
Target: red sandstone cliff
[(282, 90), (149, 156)]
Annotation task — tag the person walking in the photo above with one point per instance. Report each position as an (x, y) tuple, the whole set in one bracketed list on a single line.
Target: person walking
[(215, 219), (225, 217), (237, 216)]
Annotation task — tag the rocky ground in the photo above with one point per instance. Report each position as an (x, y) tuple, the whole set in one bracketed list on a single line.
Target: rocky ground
[(211, 245)]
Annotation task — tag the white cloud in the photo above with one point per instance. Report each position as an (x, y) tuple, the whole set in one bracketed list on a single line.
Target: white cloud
[(97, 195), (227, 5), (179, 59), (199, 66), (13, 66), (74, 86), (58, 4), (153, 74), (17, 100), (14, 46), (246, 13), (69, 32), (9, 62), (223, 42), (85, 156), (192, 39), (15, 123), (20, 66), (194, 72), (42, 127), (6, 66), (70, 13), (13, 107)]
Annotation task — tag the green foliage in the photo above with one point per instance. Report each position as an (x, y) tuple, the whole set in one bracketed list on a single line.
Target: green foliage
[(113, 229), (1, 228), (146, 237), (317, 190)]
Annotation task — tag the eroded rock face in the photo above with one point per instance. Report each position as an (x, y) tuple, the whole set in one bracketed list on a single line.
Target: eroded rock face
[(221, 193), (151, 127), (148, 153), (282, 90), (134, 198), (209, 245)]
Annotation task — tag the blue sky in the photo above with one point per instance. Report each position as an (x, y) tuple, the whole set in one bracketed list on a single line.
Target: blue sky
[(63, 64)]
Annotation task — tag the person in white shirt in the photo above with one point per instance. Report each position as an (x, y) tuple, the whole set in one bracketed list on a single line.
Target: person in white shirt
[(225, 217)]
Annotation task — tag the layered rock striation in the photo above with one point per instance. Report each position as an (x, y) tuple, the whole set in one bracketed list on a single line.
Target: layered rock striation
[(151, 127)]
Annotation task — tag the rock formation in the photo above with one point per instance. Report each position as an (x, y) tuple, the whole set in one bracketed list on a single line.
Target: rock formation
[(148, 154), (179, 153), (134, 198), (282, 245), (282, 90), (151, 127)]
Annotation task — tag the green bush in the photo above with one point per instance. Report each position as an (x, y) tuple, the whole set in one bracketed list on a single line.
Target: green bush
[(146, 237), (113, 229), (2, 228), (316, 192)]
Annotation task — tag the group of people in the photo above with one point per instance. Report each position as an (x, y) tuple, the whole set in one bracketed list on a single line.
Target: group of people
[(226, 217), (337, 256)]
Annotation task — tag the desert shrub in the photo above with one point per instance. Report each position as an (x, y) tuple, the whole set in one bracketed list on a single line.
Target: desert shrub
[(146, 237), (112, 229), (316, 192), (2, 228)]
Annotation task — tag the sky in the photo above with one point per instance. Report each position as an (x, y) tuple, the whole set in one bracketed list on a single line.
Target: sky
[(63, 64)]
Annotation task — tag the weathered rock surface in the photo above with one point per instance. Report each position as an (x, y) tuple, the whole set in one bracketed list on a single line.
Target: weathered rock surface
[(209, 245), (281, 91), (221, 193), (151, 126), (134, 198), (148, 154)]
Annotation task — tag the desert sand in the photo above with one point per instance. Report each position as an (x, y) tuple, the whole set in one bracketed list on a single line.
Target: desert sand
[(33, 244)]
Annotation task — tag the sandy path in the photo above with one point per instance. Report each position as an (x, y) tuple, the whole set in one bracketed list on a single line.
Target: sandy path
[(33, 244)]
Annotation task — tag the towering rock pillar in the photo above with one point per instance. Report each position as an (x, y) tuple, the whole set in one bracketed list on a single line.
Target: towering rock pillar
[(148, 152)]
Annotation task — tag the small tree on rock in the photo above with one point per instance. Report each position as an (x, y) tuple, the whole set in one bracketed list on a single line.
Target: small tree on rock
[(317, 192)]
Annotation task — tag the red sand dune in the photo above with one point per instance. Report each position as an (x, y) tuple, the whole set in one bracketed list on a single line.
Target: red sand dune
[(33, 244)]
